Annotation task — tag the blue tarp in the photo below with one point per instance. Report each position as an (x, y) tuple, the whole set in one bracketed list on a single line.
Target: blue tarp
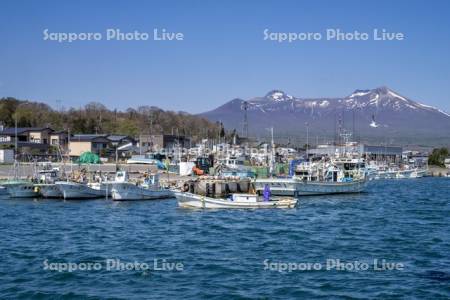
[(293, 163)]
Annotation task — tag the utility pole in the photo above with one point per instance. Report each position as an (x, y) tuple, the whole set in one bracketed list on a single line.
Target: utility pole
[(151, 122), (117, 153), (58, 105)]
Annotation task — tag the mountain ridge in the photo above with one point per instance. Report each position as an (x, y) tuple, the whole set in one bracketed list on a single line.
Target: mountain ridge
[(375, 113)]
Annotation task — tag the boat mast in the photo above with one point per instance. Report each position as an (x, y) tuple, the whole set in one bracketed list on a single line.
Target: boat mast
[(68, 153), (307, 140), (16, 167), (272, 152), (307, 152)]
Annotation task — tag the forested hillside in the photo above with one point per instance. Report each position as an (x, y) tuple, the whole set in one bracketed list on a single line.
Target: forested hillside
[(96, 118)]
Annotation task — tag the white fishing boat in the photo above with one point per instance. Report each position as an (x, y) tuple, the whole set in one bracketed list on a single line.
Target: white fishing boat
[(294, 187), (16, 187), (331, 187), (419, 173), (148, 190), (130, 191), (102, 183), (339, 177), (190, 200), (20, 189), (75, 190), (46, 186), (411, 173), (386, 173), (401, 173)]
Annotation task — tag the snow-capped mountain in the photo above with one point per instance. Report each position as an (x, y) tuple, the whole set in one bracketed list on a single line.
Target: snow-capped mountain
[(277, 96), (378, 113)]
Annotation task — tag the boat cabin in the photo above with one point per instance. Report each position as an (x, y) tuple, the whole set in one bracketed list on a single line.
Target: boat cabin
[(121, 176), (48, 176), (233, 162), (151, 180), (244, 197)]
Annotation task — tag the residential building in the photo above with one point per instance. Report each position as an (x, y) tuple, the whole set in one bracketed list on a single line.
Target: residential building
[(102, 144), (35, 139), (162, 141), (95, 143), (59, 139), (120, 140), (26, 134)]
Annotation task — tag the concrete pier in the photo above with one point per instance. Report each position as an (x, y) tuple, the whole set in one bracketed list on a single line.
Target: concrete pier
[(438, 171)]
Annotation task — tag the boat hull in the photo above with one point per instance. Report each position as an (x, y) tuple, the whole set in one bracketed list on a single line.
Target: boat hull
[(129, 191), (49, 191), (402, 174), (309, 188), (73, 190), (3, 191), (104, 187), (22, 190), (292, 187), (278, 186), (189, 200)]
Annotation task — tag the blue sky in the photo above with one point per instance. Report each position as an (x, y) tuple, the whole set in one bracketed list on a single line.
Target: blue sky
[(223, 54)]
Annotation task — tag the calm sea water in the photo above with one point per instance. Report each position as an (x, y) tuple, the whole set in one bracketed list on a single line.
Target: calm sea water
[(231, 254)]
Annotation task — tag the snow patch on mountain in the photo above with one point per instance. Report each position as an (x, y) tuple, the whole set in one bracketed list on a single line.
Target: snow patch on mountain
[(359, 93), (374, 99), (407, 105), (433, 108), (396, 95), (277, 96), (443, 112), (324, 103)]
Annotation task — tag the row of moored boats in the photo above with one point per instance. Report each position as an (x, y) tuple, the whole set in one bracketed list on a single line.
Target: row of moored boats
[(332, 176), (48, 186)]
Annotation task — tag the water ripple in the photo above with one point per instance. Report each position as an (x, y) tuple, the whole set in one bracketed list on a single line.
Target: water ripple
[(223, 252)]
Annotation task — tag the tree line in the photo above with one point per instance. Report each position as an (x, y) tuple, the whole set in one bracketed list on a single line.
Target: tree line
[(97, 118), (438, 156)]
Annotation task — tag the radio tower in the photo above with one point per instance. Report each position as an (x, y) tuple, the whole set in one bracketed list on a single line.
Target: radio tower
[(245, 127)]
